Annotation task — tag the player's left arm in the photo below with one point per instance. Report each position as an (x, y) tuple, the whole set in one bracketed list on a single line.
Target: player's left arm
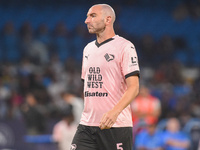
[(132, 91)]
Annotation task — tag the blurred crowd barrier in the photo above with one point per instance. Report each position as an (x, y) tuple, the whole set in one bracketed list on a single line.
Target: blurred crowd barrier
[(14, 137)]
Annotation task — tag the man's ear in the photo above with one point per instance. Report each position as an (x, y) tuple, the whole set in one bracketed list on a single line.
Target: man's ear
[(108, 20)]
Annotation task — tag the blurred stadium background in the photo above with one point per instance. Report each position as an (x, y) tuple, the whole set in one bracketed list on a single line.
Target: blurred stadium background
[(41, 45)]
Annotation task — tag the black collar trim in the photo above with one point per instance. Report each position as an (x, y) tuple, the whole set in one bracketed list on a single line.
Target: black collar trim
[(106, 41)]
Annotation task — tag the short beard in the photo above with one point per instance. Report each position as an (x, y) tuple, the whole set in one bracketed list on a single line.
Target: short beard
[(98, 30)]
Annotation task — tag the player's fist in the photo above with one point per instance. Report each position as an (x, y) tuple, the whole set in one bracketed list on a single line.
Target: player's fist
[(108, 119)]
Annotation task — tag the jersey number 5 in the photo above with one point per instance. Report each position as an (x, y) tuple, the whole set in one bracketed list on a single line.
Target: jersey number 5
[(119, 146)]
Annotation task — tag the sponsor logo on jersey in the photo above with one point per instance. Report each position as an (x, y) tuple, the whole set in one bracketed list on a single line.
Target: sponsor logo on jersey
[(133, 60), (73, 147), (94, 78), (95, 94), (109, 57)]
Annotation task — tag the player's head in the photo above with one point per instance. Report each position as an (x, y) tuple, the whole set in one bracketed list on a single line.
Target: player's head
[(173, 125), (144, 91), (99, 18)]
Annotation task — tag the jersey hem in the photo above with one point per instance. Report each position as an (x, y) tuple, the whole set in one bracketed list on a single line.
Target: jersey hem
[(97, 125)]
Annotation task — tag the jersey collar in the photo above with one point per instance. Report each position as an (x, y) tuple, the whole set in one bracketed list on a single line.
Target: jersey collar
[(106, 41)]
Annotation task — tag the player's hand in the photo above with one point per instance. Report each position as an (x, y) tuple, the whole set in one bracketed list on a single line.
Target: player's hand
[(108, 119)]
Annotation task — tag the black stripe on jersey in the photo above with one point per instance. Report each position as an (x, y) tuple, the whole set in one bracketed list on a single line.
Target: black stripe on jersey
[(134, 73), (108, 40)]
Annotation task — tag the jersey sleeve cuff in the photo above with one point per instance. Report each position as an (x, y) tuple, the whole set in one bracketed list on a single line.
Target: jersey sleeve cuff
[(134, 73)]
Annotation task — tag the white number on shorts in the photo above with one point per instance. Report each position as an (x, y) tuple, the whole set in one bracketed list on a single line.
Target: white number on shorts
[(119, 146)]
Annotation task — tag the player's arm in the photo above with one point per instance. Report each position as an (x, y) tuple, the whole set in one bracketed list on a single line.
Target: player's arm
[(132, 91), (176, 143)]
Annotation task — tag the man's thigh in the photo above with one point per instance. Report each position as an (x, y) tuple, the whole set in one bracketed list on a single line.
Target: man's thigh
[(84, 139), (115, 139)]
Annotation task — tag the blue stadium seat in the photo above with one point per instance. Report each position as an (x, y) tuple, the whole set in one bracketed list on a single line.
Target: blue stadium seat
[(192, 128), (63, 47), (10, 45), (136, 21), (1, 54)]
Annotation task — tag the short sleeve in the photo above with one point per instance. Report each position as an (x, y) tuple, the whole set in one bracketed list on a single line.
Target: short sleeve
[(130, 65)]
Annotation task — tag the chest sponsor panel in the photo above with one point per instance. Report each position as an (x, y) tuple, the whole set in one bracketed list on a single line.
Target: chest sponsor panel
[(94, 81), (95, 94), (99, 68)]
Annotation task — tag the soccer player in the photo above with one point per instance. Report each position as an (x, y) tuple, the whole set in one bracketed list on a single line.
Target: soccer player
[(111, 81)]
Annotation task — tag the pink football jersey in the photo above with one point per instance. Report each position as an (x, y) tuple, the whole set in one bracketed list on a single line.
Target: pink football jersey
[(104, 70)]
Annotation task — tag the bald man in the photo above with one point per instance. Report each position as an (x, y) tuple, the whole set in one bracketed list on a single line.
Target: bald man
[(110, 73)]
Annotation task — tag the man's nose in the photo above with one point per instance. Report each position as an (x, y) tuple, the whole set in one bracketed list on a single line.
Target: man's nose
[(87, 20)]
